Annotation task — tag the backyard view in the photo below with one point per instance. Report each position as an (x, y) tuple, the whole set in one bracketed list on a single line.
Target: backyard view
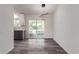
[(36, 28)]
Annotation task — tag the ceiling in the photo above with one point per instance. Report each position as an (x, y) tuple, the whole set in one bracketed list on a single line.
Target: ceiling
[(34, 8)]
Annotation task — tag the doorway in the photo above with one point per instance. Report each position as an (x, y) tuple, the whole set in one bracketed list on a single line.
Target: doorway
[(36, 28)]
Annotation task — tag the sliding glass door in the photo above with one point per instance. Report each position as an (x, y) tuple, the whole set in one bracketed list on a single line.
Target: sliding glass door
[(36, 28)]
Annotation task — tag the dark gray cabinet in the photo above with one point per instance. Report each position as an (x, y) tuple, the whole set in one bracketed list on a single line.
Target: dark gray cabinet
[(19, 34)]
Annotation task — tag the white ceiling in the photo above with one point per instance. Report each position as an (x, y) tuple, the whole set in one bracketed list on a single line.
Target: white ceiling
[(34, 8)]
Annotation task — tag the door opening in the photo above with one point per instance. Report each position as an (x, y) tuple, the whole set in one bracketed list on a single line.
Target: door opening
[(36, 28)]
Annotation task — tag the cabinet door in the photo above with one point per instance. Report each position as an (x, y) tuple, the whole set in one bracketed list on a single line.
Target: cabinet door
[(18, 34)]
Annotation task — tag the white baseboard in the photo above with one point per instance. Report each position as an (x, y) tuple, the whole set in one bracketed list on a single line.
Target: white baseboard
[(9, 50), (61, 46)]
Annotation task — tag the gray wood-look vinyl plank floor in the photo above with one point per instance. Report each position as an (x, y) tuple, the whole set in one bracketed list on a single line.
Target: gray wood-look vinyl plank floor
[(37, 46)]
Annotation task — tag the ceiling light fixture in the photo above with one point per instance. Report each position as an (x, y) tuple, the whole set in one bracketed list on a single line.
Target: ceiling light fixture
[(43, 5)]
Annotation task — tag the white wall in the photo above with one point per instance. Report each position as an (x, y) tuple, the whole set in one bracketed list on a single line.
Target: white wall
[(6, 28), (48, 25), (49, 28), (66, 27)]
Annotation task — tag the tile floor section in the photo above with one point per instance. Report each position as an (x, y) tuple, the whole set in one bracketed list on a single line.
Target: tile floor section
[(37, 46)]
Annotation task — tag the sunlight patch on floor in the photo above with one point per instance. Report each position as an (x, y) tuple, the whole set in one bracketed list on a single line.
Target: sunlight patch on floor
[(36, 43)]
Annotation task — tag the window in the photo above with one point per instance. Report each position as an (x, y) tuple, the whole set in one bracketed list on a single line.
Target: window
[(16, 21), (36, 27)]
